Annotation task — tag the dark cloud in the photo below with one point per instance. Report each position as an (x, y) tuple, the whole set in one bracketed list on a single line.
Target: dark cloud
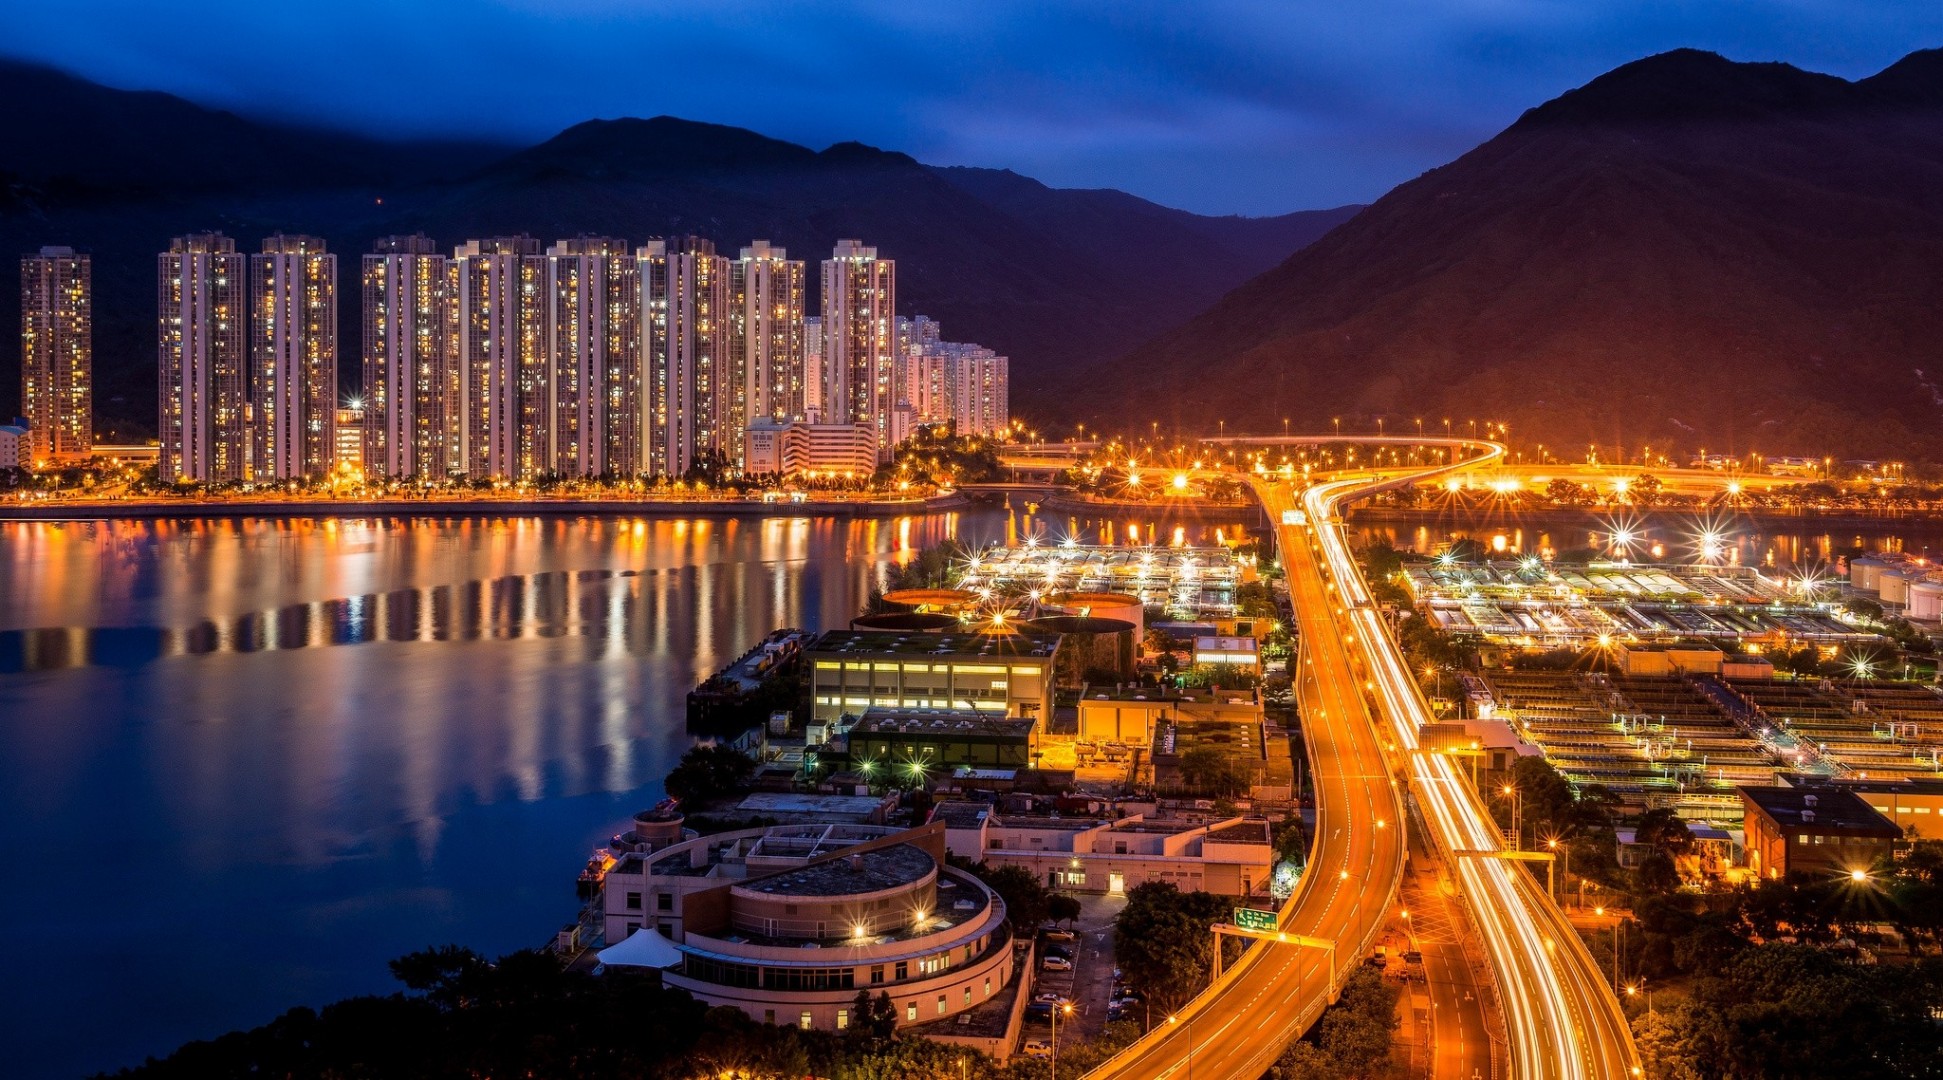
[(1228, 106)]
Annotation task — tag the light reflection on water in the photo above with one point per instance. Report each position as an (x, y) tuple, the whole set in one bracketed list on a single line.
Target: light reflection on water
[(243, 763)]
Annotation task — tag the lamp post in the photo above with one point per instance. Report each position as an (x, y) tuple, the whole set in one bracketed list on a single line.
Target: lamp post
[(1172, 1019), (1057, 1009), (1517, 825)]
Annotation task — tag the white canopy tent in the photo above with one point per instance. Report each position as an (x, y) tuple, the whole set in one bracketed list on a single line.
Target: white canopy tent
[(643, 948)]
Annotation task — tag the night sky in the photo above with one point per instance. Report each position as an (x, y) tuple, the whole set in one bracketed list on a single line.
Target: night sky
[(1233, 107)]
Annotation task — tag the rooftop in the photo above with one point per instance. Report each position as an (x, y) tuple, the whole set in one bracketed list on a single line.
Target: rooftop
[(1240, 832), (1023, 642), (959, 814), (781, 802), (940, 721), (864, 872), (1821, 808)]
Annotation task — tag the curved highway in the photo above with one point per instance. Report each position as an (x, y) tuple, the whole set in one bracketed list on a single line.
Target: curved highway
[(1361, 711)]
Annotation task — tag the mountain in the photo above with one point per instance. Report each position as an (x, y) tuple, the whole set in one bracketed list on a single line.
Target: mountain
[(1056, 279), (1724, 255)]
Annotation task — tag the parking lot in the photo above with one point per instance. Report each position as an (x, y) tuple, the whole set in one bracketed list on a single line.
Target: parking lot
[(1090, 981)]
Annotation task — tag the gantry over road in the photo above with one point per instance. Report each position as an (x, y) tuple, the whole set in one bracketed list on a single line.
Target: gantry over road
[(1361, 712)]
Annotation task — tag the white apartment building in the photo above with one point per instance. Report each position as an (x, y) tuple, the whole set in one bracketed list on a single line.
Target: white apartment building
[(784, 449), (953, 382), (766, 339), (411, 389), (685, 304), (495, 314), (859, 369), (202, 356), (593, 341), (293, 357), (57, 354)]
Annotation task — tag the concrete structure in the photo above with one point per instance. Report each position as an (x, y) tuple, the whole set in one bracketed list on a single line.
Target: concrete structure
[(1101, 605), (1635, 659), (1926, 599), (934, 742), (1133, 715), (1239, 653), (782, 450), (765, 351), (16, 447), (412, 389), (495, 345), (595, 400), (859, 368), (991, 674), (685, 320), (57, 354), (1092, 649), (1814, 830), (202, 360), (293, 359), (1915, 805), (1232, 857), (788, 924)]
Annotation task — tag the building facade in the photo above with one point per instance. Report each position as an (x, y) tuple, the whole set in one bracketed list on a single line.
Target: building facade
[(1231, 857), (495, 342), (951, 382), (411, 388), (1814, 830), (57, 354), (593, 335), (795, 449), (685, 304), (766, 347), (859, 368), (998, 674), (202, 360), (789, 923), (293, 359)]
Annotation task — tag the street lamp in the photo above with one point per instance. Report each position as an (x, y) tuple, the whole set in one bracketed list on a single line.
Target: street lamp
[(1172, 1019), (1068, 1010), (1510, 791)]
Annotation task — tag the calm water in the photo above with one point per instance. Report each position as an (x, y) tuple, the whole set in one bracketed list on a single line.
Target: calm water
[(242, 764)]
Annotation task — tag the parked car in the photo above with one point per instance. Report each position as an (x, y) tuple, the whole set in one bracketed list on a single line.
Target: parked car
[(1056, 963), (1053, 998), (1052, 934), (1039, 1012), (1059, 951), (1038, 1048)]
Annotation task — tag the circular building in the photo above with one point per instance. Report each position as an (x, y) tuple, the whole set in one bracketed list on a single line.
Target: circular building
[(1100, 605), (906, 622), (932, 601), (1092, 650), (789, 923)]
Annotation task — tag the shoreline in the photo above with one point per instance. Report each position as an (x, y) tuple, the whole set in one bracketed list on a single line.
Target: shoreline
[(162, 510)]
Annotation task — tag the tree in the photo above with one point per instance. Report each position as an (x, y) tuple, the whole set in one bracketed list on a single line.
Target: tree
[(1063, 908), (1212, 772), (448, 976), (876, 1017), (1027, 900), (1352, 1038), (709, 772)]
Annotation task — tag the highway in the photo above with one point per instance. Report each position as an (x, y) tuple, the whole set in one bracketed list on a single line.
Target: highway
[(1562, 1020), (1361, 711)]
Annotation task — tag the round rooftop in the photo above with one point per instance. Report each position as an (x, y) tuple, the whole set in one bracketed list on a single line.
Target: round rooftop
[(848, 875)]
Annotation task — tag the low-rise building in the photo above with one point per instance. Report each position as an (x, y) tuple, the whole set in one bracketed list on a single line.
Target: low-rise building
[(1239, 653), (1232, 857), (789, 923), (1132, 715), (998, 674), (16, 447), (932, 739), (1915, 805), (794, 448), (1814, 830)]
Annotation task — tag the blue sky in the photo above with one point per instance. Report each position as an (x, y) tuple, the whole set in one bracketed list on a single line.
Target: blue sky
[(1221, 107)]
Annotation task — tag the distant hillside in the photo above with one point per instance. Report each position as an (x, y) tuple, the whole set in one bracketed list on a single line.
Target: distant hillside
[(1728, 255), (1057, 279)]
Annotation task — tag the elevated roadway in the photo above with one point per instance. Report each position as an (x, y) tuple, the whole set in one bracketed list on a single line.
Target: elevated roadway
[(1361, 711)]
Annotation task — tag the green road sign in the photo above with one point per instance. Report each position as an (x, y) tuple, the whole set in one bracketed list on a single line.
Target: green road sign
[(1255, 919)]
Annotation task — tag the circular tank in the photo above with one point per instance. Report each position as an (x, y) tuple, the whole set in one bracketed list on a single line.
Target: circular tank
[(906, 622), (1893, 586), (1863, 571), (946, 601), (1100, 605), (658, 828), (1926, 600), (1094, 650)]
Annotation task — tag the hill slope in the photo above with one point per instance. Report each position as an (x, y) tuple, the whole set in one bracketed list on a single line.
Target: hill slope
[(1051, 277), (1687, 248)]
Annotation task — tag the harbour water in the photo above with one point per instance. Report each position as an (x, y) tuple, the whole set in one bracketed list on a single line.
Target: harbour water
[(245, 762)]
